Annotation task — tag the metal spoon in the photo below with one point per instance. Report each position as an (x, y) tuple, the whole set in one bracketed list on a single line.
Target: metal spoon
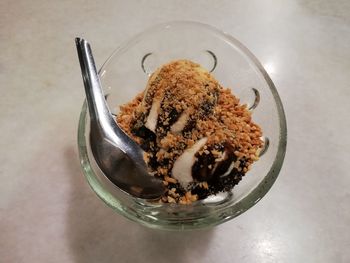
[(118, 156)]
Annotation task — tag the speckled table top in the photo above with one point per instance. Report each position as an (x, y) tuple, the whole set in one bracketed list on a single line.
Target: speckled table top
[(48, 212)]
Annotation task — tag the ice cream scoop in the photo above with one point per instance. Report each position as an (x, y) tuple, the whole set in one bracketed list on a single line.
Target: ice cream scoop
[(196, 134)]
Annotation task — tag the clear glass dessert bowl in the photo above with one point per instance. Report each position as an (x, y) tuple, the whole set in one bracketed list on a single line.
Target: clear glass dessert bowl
[(125, 74)]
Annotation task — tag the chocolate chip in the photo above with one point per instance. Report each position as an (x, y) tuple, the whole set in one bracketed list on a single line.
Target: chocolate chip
[(167, 117), (202, 169), (201, 192)]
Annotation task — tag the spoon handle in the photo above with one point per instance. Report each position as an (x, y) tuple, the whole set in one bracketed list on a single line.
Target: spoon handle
[(94, 95)]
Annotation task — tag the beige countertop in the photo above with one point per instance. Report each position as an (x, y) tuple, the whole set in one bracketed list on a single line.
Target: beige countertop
[(48, 213)]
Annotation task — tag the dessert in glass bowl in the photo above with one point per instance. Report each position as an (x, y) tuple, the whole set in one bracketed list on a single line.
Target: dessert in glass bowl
[(196, 135), (234, 73)]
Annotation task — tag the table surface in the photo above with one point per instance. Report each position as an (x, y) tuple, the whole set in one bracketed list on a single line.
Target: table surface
[(48, 213)]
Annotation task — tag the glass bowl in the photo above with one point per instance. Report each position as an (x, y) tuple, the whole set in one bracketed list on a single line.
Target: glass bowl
[(125, 74)]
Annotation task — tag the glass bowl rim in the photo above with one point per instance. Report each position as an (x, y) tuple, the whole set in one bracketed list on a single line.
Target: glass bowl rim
[(261, 189)]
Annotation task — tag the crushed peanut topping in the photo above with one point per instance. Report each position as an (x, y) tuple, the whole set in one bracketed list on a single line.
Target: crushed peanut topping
[(193, 105)]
